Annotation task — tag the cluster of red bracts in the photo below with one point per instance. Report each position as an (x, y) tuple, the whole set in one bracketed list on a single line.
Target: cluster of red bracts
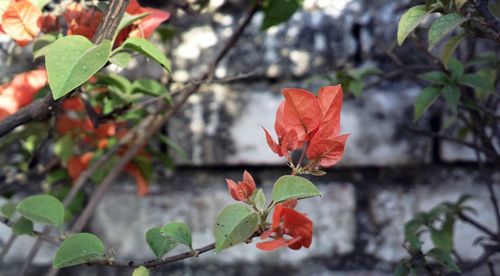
[(289, 227), (304, 119), (287, 223)]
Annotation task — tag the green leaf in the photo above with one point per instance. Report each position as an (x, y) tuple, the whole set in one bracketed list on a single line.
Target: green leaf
[(72, 60), (8, 210), (435, 77), (260, 199), (402, 270), (145, 166), (356, 87), (151, 87), (79, 249), (477, 81), (278, 11), (114, 80), (181, 153), (63, 147), (456, 68), (22, 226), (148, 49), (443, 238), (159, 244), (425, 100), (120, 59), (494, 7), (443, 26), (127, 20), (44, 209), (450, 47), (100, 173), (178, 232), (234, 225), (452, 96), (410, 20), (140, 271), (290, 186), (443, 258), (41, 45)]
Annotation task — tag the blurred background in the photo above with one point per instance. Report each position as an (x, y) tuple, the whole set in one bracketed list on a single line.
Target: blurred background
[(391, 168)]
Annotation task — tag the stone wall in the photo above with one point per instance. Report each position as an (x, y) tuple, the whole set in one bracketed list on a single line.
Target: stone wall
[(387, 175)]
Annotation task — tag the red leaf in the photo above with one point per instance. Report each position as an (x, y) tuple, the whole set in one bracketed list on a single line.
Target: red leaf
[(145, 27), (82, 21), (301, 112), (140, 180), (298, 225), (272, 144), (327, 152), (330, 102), (22, 21), (77, 164), (50, 23), (8, 106)]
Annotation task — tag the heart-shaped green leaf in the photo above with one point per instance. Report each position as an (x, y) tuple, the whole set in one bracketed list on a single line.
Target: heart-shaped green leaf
[(141, 271), (159, 244), (234, 225), (79, 249), (8, 209), (179, 232), (44, 209), (290, 186), (72, 60), (425, 100), (23, 226), (120, 59), (148, 49)]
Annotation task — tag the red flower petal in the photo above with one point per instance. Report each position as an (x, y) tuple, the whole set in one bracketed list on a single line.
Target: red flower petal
[(328, 152), (330, 101), (140, 180), (22, 21), (301, 112), (272, 144), (298, 225), (272, 245), (247, 178), (231, 185)]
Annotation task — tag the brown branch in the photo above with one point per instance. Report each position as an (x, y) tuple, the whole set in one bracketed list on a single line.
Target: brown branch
[(478, 225), (489, 250), (450, 139), (484, 11), (156, 262)]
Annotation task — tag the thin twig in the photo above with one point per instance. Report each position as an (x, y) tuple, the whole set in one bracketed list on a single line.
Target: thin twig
[(478, 225), (156, 262), (448, 138)]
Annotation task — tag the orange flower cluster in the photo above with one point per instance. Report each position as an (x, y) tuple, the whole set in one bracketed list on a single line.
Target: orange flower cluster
[(23, 21), (74, 122), (20, 91), (302, 118), (287, 222)]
